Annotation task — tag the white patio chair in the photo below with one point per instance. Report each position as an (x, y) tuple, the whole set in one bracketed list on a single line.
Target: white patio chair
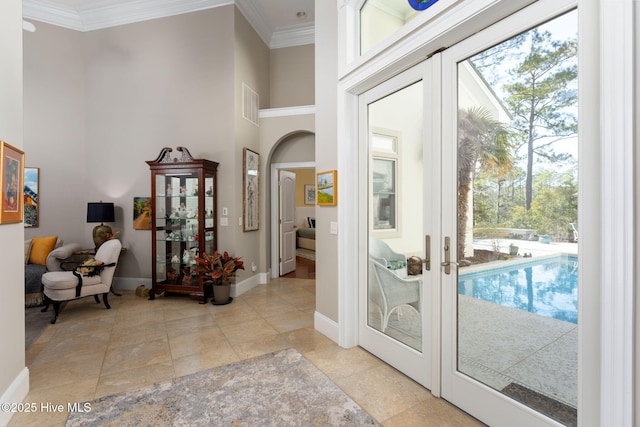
[(574, 226), (389, 292)]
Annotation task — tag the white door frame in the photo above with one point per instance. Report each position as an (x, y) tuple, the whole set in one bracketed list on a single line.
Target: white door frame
[(612, 131), (275, 238), (606, 36)]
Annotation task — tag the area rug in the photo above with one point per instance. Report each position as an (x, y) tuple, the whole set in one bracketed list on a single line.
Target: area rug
[(35, 322), (550, 407), (306, 253), (277, 389)]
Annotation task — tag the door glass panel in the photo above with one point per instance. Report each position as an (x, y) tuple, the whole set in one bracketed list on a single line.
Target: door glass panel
[(395, 291), (517, 218)]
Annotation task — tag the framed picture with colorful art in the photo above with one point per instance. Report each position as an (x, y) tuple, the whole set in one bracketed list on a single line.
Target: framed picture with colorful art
[(142, 213), (327, 188), (11, 183), (31, 193)]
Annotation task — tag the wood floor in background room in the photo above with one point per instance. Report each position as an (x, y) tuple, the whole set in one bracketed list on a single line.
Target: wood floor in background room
[(305, 269)]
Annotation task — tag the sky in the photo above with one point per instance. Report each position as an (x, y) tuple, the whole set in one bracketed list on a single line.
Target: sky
[(561, 28)]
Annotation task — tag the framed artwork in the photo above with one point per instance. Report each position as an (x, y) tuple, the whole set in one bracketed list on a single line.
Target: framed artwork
[(250, 187), (31, 192), (327, 188), (11, 183), (142, 213), (309, 194)]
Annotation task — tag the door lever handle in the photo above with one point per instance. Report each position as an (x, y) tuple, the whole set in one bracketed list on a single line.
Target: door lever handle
[(447, 263), (427, 252)]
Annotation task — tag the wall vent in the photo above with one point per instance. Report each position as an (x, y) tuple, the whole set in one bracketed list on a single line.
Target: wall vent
[(250, 104)]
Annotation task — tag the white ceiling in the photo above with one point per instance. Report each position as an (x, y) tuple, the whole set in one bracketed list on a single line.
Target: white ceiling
[(274, 20)]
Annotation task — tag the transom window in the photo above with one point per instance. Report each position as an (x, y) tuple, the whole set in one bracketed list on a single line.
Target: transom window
[(381, 18)]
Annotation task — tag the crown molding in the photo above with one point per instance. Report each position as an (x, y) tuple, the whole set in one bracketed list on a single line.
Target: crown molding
[(111, 13), (51, 13), (275, 38), (256, 19), (293, 37)]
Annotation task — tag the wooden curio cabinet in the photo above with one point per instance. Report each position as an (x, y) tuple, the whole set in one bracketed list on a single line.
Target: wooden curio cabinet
[(183, 211)]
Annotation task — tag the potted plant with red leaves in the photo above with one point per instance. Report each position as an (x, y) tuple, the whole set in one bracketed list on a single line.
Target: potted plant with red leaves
[(219, 269)]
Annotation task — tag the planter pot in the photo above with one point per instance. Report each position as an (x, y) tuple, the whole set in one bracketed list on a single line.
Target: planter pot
[(221, 293), (544, 239)]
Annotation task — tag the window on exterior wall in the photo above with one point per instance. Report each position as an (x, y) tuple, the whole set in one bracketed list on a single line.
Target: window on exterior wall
[(385, 181), (381, 18)]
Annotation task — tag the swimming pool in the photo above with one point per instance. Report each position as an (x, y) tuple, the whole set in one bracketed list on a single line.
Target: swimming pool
[(548, 286)]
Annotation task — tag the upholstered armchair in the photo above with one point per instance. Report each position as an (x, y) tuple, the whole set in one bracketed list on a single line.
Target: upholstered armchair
[(85, 280), (42, 254)]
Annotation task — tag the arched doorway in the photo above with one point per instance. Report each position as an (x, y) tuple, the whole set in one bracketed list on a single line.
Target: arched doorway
[(293, 153)]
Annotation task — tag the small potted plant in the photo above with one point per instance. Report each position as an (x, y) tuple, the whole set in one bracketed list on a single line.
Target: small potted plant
[(219, 269), (513, 249)]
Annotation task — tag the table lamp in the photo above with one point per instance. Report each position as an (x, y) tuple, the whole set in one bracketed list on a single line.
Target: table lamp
[(100, 212)]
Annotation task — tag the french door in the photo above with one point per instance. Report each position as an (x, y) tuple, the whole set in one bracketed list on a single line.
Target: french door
[(395, 303), (449, 181)]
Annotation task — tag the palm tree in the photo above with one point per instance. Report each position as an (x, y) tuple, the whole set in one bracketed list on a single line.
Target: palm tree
[(482, 142)]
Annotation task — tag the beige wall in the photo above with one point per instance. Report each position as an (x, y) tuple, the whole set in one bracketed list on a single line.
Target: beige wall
[(292, 76), (55, 132), (303, 177), (14, 376), (100, 104), (251, 68), (326, 48), (298, 147), (160, 83)]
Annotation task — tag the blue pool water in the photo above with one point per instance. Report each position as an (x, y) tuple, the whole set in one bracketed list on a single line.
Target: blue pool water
[(548, 287)]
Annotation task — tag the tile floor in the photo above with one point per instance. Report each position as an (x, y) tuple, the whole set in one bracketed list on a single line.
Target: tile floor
[(91, 352)]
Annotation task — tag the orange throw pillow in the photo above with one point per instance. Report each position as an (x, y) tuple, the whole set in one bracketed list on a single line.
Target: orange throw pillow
[(40, 248)]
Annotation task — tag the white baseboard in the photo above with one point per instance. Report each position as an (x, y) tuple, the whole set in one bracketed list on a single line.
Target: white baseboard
[(327, 327), (247, 284), (131, 283), (15, 393)]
